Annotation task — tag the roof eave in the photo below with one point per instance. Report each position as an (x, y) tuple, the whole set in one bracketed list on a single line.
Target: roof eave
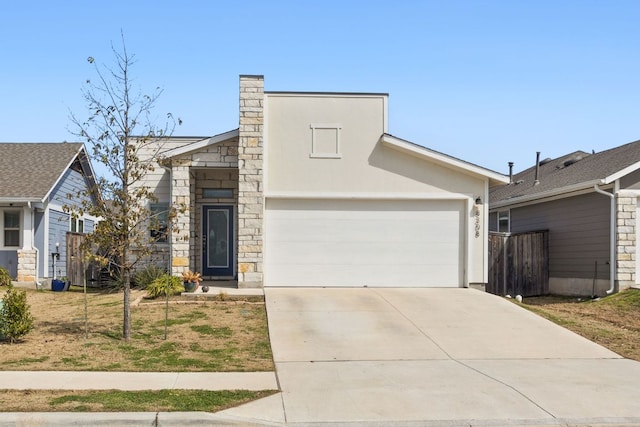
[(443, 159), (547, 194), (622, 172), (68, 165), (20, 200), (202, 143)]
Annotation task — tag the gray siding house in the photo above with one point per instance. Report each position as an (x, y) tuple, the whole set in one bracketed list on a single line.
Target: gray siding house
[(588, 202), (36, 181)]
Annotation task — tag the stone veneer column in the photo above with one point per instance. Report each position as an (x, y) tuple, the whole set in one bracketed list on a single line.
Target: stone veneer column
[(26, 265), (250, 185), (180, 196), (626, 203)]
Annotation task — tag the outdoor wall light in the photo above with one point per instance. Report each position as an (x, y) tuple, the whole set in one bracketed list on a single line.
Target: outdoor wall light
[(478, 200), (56, 255)]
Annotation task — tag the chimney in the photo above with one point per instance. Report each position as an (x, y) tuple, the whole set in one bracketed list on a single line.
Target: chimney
[(536, 181), (510, 172)]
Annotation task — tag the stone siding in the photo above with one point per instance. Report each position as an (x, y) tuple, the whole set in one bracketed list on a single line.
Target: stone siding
[(250, 182), (181, 196), (221, 155), (26, 265), (625, 240)]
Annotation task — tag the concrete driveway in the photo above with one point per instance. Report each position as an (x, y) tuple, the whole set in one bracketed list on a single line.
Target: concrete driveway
[(434, 357)]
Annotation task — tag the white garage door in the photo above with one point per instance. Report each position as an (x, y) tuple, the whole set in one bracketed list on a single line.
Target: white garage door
[(364, 243)]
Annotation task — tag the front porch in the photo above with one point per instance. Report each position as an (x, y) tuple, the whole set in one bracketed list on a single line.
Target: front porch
[(218, 184)]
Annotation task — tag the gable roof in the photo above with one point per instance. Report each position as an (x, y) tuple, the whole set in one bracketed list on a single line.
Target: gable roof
[(442, 159), (28, 171), (202, 143), (571, 172)]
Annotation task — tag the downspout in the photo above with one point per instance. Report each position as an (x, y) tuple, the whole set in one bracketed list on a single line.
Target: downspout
[(612, 239), (170, 236), (33, 245)]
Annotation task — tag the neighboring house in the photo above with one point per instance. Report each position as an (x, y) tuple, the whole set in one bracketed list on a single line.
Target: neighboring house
[(36, 181), (312, 190), (588, 203)]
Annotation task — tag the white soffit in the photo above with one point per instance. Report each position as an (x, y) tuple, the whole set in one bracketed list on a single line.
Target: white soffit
[(623, 172)]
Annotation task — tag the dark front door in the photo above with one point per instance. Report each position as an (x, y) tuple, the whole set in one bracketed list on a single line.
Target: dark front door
[(217, 240)]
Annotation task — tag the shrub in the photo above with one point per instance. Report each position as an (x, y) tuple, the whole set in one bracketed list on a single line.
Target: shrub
[(15, 317), (5, 278), (147, 275), (159, 286)]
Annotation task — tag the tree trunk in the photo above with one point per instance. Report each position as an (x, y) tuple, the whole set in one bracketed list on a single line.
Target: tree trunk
[(126, 321)]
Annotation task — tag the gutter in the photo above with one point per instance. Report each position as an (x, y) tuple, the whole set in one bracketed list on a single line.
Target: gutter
[(545, 194), (33, 244), (170, 234), (612, 239)]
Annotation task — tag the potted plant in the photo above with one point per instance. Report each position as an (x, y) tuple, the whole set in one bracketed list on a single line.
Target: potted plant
[(58, 285), (191, 280)]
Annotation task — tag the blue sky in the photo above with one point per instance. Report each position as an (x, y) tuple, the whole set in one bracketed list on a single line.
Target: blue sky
[(485, 81)]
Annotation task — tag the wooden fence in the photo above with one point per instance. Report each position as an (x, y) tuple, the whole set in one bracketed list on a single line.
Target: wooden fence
[(519, 263), (77, 267)]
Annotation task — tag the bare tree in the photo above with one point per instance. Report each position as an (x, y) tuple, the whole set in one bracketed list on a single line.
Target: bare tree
[(119, 126)]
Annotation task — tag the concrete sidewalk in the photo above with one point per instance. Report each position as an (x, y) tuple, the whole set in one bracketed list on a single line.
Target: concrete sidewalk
[(65, 380)]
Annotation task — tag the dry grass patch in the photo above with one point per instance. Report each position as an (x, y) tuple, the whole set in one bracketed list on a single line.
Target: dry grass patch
[(613, 322), (124, 401), (203, 335)]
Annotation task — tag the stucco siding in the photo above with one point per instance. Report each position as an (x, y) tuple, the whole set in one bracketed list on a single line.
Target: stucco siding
[(578, 233), (301, 132)]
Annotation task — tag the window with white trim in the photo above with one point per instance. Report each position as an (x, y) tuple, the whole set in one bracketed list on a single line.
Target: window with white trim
[(11, 228), (159, 222), (77, 225), (503, 222)]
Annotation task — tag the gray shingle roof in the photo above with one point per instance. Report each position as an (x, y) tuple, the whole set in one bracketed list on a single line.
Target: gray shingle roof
[(29, 170), (568, 171)]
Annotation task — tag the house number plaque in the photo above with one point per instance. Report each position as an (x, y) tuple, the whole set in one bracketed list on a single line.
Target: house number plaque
[(477, 221)]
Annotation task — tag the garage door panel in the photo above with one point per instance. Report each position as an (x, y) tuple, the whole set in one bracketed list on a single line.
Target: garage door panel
[(363, 243), (340, 230), (355, 253), (370, 275)]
